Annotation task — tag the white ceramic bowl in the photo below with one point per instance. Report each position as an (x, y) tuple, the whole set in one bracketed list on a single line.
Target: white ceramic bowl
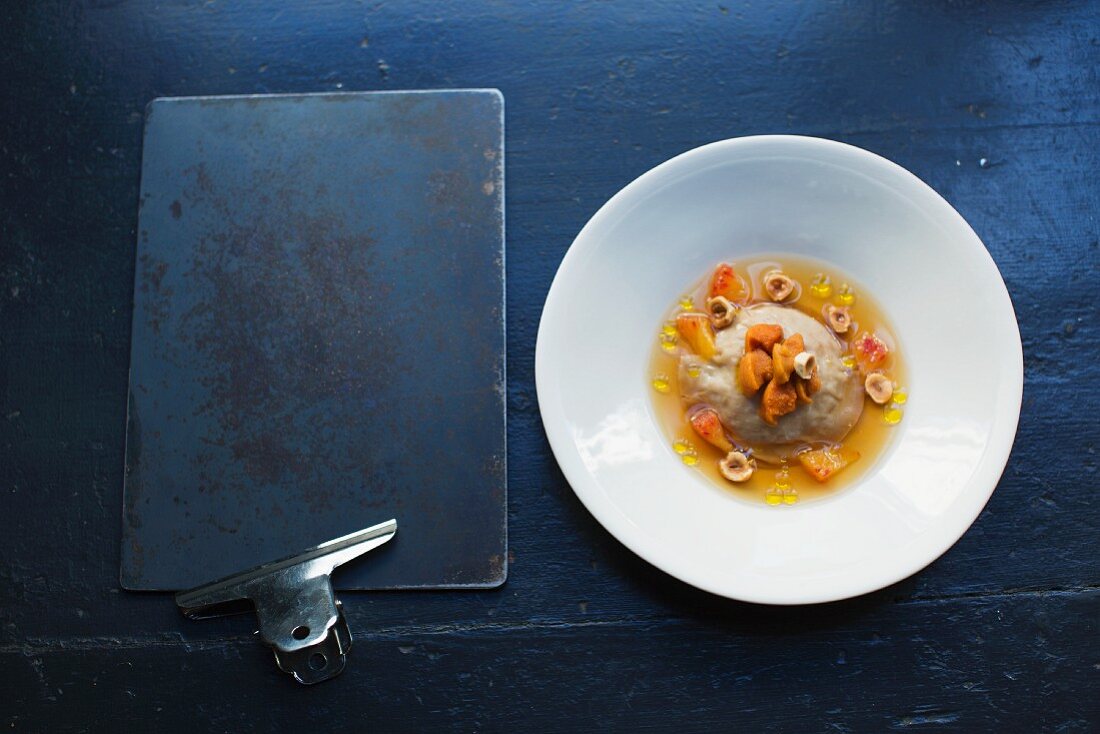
[(805, 196)]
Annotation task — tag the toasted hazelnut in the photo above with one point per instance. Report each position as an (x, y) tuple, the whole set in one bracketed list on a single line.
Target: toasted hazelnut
[(838, 317), (736, 467), (879, 387), (721, 311), (804, 364), (778, 285)]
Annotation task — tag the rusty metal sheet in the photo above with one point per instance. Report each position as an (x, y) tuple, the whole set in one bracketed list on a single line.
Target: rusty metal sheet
[(318, 338)]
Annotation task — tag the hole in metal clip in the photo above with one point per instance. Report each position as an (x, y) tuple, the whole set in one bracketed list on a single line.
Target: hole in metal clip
[(317, 661), (300, 632)]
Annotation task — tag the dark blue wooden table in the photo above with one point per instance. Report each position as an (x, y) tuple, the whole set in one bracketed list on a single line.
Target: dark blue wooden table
[(997, 106)]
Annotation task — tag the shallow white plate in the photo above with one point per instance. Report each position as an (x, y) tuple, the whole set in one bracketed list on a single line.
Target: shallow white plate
[(805, 196)]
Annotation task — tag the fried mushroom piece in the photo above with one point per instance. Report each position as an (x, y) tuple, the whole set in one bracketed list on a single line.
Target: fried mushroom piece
[(782, 363), (754, 371), (802, 390), (778, 400), (763, 336)]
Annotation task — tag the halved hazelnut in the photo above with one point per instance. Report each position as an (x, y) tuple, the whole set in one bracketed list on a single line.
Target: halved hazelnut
[(778, 285), (721, 311), (840, 320), (879, 387), (736, 467), (804, 364)]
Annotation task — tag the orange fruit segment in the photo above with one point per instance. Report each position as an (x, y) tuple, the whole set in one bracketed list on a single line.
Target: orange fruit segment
[(869, 351), (821, 464), (726, 283), (708, 425), (695, 329)]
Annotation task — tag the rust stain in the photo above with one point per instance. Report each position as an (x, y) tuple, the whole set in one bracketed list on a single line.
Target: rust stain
[(158, 308), (446, 189), (496, 567), (291, 340)]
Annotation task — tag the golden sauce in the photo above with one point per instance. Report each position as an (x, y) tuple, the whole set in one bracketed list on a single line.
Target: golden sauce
[(819, 284)]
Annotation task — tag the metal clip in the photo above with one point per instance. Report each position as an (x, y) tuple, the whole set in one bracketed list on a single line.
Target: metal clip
[(299, 615)]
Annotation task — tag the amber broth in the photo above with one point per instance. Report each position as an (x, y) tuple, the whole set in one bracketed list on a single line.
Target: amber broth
[(871, 434)]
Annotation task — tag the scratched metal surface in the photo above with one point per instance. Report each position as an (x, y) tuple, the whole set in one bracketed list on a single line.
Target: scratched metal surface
[(317, 340)]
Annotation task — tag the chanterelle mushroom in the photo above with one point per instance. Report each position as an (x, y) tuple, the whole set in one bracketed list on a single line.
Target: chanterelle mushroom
[(721, 311), (778, 285), (879, 387), (840, 320), (736, 467)]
